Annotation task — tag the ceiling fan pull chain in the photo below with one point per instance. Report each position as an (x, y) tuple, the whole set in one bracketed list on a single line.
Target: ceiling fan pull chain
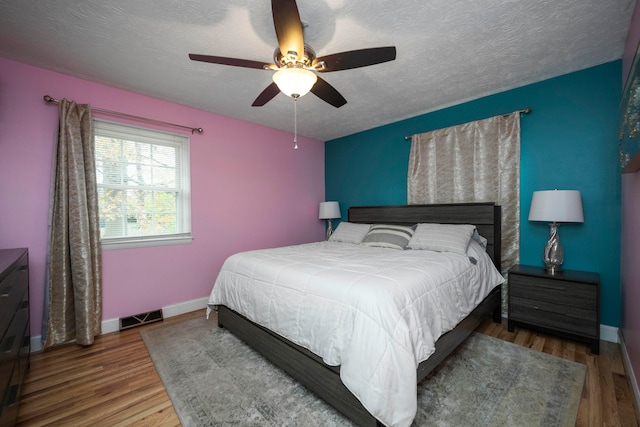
[(295, 123)]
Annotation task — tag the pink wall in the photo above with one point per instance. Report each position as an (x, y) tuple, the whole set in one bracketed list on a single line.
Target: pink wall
[(630, 251), (250, 189)]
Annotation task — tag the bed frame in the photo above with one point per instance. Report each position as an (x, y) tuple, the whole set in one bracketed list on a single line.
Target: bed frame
[(324, 380)]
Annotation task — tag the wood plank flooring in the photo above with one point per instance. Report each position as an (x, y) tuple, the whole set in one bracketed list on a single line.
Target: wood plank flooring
[(114, 382)]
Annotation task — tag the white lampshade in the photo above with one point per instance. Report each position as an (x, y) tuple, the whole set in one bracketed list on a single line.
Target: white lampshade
[(294, 81), (556, 206), (329, 210)]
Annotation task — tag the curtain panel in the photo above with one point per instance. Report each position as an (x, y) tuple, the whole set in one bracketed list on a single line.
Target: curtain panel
[(73, 292), (473, 162)]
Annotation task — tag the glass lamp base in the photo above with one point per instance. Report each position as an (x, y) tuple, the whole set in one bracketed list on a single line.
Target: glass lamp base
[(329, 229), (553, 253)]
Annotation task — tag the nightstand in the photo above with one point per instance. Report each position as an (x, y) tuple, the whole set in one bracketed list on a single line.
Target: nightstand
[(566, 303)]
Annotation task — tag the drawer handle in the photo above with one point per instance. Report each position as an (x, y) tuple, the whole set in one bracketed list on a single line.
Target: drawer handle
[(555, 288), (8, 344), (535, 307), (23, 267)]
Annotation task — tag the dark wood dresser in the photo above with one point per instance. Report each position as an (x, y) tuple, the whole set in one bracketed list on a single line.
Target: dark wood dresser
[(566, 303), (15, 343)]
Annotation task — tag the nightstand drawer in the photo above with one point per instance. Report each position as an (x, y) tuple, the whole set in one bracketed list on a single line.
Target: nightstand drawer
[(558, 317), (558, 292)]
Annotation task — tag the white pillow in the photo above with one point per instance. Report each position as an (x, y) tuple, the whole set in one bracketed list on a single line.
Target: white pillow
[(476, 250), (442, 237), (478, 256), (350, 232), (478, 238)]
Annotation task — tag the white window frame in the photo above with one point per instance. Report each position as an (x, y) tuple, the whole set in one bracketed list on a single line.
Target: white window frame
[(152, 136)]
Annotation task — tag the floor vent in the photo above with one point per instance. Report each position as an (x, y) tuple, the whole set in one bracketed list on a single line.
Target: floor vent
[(140, 319)]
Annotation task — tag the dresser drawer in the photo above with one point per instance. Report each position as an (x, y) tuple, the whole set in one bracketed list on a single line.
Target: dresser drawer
[(12, 289), (558, 292), (15, 341), (554, 316)]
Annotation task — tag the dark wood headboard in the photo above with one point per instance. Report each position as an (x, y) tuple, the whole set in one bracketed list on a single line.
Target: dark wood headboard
[(485, 216)]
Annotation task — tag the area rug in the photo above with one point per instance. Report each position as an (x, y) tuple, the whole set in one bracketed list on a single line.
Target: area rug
[(214, 379)]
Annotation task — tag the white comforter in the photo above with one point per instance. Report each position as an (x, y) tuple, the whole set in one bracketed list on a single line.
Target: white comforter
[(375, 312)]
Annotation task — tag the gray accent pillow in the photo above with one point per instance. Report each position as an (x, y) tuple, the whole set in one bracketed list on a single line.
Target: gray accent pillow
[(349, 232), (442, 237), (388, 236)]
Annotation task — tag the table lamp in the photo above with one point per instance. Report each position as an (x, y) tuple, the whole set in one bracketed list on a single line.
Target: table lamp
[(555, 206), (329, 211)]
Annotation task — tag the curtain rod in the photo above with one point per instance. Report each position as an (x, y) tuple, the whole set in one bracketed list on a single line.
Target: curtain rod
[(524, 111), (47, 98)]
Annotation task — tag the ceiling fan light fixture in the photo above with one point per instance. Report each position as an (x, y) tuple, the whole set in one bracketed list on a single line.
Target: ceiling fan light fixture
[(294, 82), (296, 63)]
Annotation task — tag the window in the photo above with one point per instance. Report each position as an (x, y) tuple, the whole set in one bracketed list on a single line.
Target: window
[(144, 194)]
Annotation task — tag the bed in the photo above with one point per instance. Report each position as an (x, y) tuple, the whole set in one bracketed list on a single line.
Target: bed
[(299, 356)]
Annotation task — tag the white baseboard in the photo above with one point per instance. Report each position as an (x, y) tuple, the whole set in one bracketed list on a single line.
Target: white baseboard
[(185, 307), (609, 333), (113, 325), (36, 343), (629, 370)]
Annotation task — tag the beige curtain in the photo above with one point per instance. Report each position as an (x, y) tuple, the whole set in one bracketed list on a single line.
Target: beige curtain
[(73, 306), (472, 162)]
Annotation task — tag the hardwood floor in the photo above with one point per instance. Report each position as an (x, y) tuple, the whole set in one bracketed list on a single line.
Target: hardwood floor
[(114, 382)]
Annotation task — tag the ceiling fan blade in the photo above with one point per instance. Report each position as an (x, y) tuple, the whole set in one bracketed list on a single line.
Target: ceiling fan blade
[(286, 21), (267, 95), (356, 58), (234, 62), (328, 93)]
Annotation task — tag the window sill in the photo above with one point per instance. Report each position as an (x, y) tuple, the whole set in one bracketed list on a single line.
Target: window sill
[(145, 242)]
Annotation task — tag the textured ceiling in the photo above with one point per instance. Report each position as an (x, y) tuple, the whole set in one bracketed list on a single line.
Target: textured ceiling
[(448, 51)]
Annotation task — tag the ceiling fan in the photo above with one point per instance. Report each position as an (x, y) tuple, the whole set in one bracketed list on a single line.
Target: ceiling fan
[(296, 64)]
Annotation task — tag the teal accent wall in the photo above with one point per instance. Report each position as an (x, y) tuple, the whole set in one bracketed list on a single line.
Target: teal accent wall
[(568, 142)]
